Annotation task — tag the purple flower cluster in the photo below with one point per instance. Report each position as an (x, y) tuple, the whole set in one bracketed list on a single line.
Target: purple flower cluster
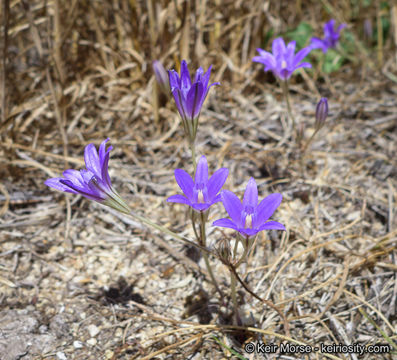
[(283, 61), (248, 218), (201, 193), (331, 37), (189, 96), (94, 181)]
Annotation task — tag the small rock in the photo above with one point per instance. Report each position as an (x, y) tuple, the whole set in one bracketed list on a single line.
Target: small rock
[(109, 354), (93, 330), (77, 344), (61, 356), (91, 341)]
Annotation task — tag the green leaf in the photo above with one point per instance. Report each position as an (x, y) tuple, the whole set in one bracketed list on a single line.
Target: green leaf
[(301, 34), (332, 61)]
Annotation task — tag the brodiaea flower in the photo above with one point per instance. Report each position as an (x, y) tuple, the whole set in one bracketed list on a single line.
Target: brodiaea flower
[(201, 193), (283, 61), (189, 97), (249, 218), (331, 37), (94, 181)]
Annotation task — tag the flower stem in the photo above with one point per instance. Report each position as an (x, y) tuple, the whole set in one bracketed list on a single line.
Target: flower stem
[(233, 287), (193, 150), (202, 241), (284, 85), (163, 229)]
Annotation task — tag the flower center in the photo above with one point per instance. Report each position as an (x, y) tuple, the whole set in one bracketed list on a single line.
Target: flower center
[(248, 221), (283, 64), (200, 197)]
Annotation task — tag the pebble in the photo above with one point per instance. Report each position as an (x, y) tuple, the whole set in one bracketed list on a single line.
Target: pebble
[(77, 344), (91, 341), (61, 356), (93, 330), (109, 354)]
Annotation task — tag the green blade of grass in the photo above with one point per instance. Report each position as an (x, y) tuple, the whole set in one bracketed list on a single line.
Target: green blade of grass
[(234, 352)]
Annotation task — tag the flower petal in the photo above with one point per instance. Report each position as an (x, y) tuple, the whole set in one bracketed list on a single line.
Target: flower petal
[(86, 191), (174, 79), (186, 82), (301, 54), (271, 225), (266, 208), (232, 205), (185, 182), (103, 151), (278, 47), (193, 100), (201, 206), (91, 159), (227, 223), (216, 181), (55, 183), (178, 199), (248, 231), (201, 171), (179, 101), (266, 59), (251, 195)]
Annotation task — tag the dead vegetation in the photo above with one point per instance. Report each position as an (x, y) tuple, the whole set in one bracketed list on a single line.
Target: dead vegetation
[(78, 281)]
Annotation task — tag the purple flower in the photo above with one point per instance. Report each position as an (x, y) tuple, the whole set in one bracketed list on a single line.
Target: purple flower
[(189, 97), (331, 37), (283, 61), (161, 77), (249, 218), (201, 193), (94, 181)]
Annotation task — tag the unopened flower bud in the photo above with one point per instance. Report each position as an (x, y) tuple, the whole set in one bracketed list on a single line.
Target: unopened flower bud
[(224, 251), (321, 113), (161, 77)]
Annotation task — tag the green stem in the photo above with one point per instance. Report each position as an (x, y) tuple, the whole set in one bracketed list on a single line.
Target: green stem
[(193, 150), (202, 241), (284, 85), (233, 287), (309, 141), (146, 221)]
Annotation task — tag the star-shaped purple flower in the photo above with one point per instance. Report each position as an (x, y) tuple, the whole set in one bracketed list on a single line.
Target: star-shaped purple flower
[(283, 61), (249, 218), (94, 181), (331, 37), (201, 193), (189, 97)]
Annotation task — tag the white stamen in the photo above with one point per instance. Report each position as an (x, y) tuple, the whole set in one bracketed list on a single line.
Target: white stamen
[(248, 222), (283, 64), (200, 197)]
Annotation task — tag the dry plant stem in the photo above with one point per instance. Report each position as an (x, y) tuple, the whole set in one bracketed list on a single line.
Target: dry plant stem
[(266, 302), (284, 85)]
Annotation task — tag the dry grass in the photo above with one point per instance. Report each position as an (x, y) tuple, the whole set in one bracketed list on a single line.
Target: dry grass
[(99, 285)]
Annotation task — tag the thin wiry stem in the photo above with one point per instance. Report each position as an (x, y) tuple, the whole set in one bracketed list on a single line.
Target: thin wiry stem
[(284, 85), (203, 240)]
